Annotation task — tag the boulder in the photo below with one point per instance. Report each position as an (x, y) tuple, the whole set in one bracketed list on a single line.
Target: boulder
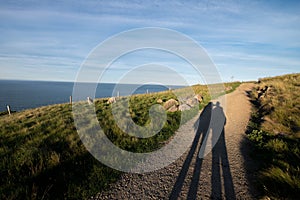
[(111, 100), (259, 94), (191, 102), (171, 102), (159, 101), (184, 107), (198, 97), (173, 108)]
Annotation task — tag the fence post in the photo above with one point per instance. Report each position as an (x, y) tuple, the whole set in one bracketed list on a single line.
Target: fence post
[(70, 100), (147, 91), (8, 109)]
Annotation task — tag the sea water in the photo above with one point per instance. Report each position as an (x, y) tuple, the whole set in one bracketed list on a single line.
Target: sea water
[(21, 95)]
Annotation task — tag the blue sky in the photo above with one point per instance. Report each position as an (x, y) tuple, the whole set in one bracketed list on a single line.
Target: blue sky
[(49, 40)]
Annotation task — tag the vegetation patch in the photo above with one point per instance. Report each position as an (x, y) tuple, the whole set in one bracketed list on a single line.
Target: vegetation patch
[(42, 156), (274, 129)]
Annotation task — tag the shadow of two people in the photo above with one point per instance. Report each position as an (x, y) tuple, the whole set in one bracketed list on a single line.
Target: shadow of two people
[(210, 128)]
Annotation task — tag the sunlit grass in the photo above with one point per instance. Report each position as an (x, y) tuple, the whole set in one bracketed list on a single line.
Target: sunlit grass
[(274, 129), (42, 156)]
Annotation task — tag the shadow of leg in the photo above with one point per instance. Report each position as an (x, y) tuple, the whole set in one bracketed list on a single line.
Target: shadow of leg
[(216, 190), (203, 121), (180, 179), (228, 183), (197, 169), (196, 177), (220, 162)]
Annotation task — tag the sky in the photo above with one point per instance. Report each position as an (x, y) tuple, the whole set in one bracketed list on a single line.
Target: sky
[(51, 40)]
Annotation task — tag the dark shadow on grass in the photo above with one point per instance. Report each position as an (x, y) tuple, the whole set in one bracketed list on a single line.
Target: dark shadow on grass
[(75, 174), (77, 178), (249, 151)]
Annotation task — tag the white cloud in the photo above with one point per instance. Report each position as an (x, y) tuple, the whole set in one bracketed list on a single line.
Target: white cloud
[(54, 35)]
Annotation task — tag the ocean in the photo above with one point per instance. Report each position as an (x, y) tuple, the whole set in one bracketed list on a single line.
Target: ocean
[(21, 95)]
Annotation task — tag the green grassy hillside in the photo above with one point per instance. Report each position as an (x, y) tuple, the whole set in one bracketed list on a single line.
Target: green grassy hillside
[(42, 157), (275, 130)]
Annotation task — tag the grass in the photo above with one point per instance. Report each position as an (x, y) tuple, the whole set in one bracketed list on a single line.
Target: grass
[(42, 156), (274, 129), (38, 149)]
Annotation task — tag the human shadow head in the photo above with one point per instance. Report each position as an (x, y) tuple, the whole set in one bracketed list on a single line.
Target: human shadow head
[(218, 106), (207, 108), (218, 114), (205, 117)]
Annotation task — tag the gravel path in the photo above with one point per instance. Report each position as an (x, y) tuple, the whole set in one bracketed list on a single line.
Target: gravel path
[(220, 175)]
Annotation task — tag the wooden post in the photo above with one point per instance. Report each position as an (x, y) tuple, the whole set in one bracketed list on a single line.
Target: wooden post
[(118, 94), (8, 109), (147, 91), (70, 100)]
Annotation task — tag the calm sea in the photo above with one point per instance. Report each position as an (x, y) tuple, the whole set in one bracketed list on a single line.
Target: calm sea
[(22, 95)]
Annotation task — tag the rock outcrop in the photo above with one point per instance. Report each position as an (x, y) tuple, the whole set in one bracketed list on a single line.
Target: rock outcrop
[(199, 97), (111, 100), (171, 105), (160, 101), (184, 107)]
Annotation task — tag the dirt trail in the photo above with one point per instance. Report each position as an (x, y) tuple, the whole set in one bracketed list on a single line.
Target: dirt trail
[(220, 175)]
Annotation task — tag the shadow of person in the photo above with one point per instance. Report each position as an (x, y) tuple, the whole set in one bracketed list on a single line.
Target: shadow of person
[(202, 127), (220, 161), (210, 128)]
